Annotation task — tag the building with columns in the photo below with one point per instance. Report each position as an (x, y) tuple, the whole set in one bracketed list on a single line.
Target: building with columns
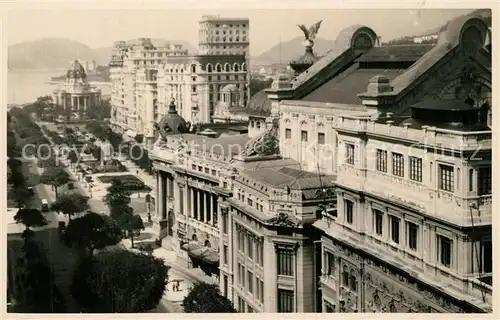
[(76, 94), (366, 189), (145, 77)]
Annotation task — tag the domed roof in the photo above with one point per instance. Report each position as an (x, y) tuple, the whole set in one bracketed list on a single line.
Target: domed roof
[(76, 70), (229, 88), (172, 122), (259, 104)]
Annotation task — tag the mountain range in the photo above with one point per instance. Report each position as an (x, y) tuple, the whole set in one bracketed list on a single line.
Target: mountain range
[(57, 53)]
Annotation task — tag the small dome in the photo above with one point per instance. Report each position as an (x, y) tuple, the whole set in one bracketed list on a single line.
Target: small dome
[(76, 71), (259, 104), (172, 122), (229, 88)]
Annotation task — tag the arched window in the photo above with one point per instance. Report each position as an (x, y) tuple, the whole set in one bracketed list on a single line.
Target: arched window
[(345, 277), (218, 67), (194, 238), (236, 67), (207, 244), (244, 66), (193, 68), (237, 39), (252, 124), (227, 67), (258, 124), (353, 282), (209, 67)]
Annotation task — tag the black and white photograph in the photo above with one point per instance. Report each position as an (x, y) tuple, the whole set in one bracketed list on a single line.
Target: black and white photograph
[(249, 159)]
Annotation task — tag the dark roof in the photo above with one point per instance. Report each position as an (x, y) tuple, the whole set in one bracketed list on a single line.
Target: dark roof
[(345, 87), (448, 105), (259, 105), (396, 53), (293, 178)]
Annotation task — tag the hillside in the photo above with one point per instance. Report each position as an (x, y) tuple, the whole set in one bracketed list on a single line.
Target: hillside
[(291, 50), (56, 53), (49, 53)]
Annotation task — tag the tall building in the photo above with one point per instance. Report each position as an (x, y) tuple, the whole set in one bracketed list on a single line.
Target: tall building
[(365, 188), (221, 36), (145, 80)]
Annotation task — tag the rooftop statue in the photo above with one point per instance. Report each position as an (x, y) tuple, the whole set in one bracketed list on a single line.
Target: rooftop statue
[(310, 34)]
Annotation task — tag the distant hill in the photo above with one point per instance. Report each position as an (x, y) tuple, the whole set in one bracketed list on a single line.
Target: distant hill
[(56, 53), (291, 50), (49, 53)]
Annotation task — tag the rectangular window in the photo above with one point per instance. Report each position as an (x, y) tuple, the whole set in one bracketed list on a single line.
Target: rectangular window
[(330, 264), (349, 154), (303, 136), (446, 177), (250, 202), (445, 247), (379, 220), (243, 276), (288, 134), (285, 262), (214, 172), (250, 247), (193, 166), (381, 160), (285, 301), (240, 282), (484, 181), (225, 254), (250, 281), (398, 168), (348, 207), (486, 257), (207, 170), (200, 168), (261, 293), (193, 89), (412, 231), (225, 222), (415, 169), (395, 229), (321, 138)]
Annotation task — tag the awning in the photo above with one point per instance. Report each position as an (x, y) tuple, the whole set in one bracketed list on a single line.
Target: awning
[(196, 250)]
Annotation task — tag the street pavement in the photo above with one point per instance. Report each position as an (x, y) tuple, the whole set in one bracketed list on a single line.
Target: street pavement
[(171, 300)]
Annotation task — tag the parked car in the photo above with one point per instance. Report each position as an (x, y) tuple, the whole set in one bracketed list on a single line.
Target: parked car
[(45, 205)]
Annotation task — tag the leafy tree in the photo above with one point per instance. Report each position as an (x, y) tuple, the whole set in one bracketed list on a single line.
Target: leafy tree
[(131, 224), (55, 177), (96, 152), (71, 204), (117, 195), (92, 231), (35, 291), (73, 157), (118, 210), (51, 161), (30, 218), (20, 195), (120, 281), (99, 111), (206, 298)]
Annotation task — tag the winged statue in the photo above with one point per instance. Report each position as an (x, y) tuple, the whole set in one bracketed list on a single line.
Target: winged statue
[(310, 34)]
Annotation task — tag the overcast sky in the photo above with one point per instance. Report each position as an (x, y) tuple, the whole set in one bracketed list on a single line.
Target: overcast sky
[(100, 28)]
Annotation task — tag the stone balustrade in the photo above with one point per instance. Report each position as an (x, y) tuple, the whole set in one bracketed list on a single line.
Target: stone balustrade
[(426, 136)]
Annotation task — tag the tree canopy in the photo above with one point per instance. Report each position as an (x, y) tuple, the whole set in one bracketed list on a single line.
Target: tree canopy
[(30, 218), (130, 223), (206, 298), (71, 204), (34, 290), (120, 281), (20, 194), (55, 176), (117, 195), (92, 231)]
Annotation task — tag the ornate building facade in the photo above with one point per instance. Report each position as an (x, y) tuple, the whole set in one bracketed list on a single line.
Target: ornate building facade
[(367, 187), (145, 77), (76, 93)]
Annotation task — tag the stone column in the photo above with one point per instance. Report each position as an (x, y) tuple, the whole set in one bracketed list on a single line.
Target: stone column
[(194, 213), (201, 212), (159, 195), (214, 210), (208, 205), (85, 104)]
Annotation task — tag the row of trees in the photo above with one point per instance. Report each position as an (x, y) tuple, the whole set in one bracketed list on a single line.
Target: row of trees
[(45, 109)]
